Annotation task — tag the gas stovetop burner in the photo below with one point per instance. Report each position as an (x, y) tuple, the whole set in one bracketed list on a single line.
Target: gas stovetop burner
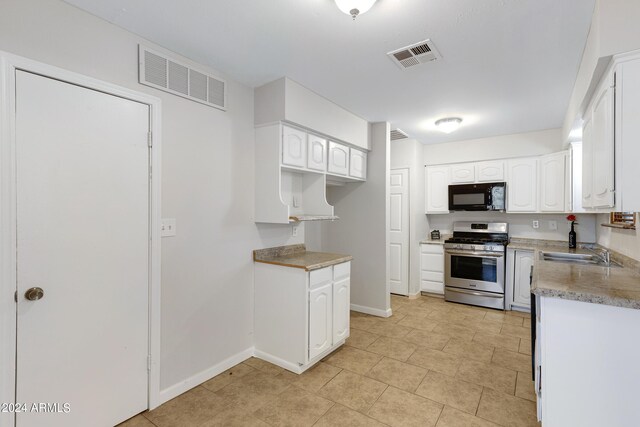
[(479, 240)]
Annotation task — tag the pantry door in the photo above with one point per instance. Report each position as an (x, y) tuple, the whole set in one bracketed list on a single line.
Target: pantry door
[(82, 162), (399, 231)]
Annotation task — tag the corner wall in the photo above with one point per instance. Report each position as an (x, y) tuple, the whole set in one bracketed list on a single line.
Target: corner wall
[(627, 242)]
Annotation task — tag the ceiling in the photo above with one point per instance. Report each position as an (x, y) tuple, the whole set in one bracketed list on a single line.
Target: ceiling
[(507, 66)]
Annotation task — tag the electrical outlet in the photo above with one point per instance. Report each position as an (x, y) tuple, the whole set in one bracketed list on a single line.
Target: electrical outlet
[(553, 225), (294, 230), (168, 227), (536, 224)]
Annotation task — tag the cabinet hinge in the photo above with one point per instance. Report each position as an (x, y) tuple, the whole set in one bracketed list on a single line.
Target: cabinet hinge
[(15, 296), (150, 140)]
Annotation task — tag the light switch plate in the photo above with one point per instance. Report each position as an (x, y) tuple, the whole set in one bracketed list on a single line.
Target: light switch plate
[(168, 227)]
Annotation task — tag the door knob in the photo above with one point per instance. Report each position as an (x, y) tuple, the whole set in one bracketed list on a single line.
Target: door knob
[(34, 294)]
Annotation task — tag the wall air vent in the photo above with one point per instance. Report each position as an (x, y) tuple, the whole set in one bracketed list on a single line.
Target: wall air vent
[(415, 54), (397, 134), (160, 71)]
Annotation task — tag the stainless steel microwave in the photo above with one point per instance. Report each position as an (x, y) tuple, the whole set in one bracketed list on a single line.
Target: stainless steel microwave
[(489, 196)]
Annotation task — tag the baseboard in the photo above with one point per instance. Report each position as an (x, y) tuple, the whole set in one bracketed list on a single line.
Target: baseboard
[(415, 296), (279, 362), (197, 379), (371, 311)]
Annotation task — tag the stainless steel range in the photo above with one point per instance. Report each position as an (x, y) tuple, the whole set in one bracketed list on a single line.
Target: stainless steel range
[(475, 263)]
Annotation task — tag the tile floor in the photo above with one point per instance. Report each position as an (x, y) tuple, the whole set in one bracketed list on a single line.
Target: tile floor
[(432, 363)]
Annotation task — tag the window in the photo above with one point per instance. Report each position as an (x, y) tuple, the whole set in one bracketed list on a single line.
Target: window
[(625, 220)]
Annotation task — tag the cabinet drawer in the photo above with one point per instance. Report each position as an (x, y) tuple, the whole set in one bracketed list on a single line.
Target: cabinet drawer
[(433, 287), (320, 277), (340, 271), (432, 276), (426, 248)]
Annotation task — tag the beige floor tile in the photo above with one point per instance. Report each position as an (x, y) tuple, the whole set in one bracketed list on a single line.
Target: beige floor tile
[(419, 322), (435, 360), (450, 391), (353, 359), (496, 316), (315, 378), (451, 316), (341, 416), (399, 408), (361, 339), (492, 376), (393, 348), (455, 330), (452, 417), (353, 391), (512, 360), (413, 310), (525, 387), (192, 408), (496, 340), (471, 313), (353, 314), (390, 330), (137, 421), (294, 407), (253, 390), (394, 318), (427, 339), (505, 410), (227, 377), (485, 326), (364, 323), (516, 313), (264, 366), (525, 347), (515, 331), (234, 416), (469, 349), (398, 374)]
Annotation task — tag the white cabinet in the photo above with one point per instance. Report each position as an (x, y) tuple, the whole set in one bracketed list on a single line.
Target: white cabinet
[(300, 316), (553, 178), (437, 189), (317, 153), (602, 146), (463, 173), (294, 147), (338, 158), (357, 164), (587, 162), (522, 185), (491, 171), (521, 278), (432, 268)]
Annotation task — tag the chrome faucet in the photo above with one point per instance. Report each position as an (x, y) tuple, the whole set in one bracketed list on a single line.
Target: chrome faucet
[(604, 255)]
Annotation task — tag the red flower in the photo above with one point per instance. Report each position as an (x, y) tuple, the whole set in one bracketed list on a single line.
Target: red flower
[(571, 217)]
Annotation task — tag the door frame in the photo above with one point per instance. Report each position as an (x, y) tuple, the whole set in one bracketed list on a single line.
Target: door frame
[(9, 63)]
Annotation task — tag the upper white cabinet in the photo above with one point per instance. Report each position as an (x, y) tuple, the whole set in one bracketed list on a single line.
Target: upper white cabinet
[(463, 173), (602, 146), (437, 179), (587, 162), (317, 153), (522, 185), (338, 158), (553, 177), (491, 171), (357, 164), (294, 147)]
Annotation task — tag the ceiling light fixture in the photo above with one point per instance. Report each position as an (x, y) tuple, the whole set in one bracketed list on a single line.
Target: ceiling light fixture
[(448, 125), (354, 7)]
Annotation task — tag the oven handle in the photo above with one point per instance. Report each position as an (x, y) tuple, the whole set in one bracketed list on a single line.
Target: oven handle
[(476, 254), (478, 294)]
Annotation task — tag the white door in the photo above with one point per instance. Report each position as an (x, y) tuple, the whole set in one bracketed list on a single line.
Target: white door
[(341, 308), (317, 153), (320, 314), (602, 186), (491, 171), (552, 182), (338, 159), (522, 185), (399, 231), (83, 238), (463, 173), (522, 285), (294, 147), (358, 164), (437, 189)]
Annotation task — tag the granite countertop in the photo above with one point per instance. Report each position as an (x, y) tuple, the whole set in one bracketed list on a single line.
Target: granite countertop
[(616, 286), (297, 256), (431, 241)]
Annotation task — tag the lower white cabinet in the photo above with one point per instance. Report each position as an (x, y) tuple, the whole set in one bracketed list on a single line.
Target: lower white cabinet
[(432, 268), (300, 316), (518, 279)]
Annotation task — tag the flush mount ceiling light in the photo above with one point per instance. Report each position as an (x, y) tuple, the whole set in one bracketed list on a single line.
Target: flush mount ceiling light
[(354, 7), (448, 125)]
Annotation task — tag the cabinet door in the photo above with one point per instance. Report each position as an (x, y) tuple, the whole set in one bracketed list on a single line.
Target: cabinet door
[(521, 278), (338, 158), (320, 319), (437, 189), (602, 185), (587, 162), (294, 147), (463, 173), (490, 171), (358, 164), (552, 182), (317, 153), (522, 185), (341, 307)]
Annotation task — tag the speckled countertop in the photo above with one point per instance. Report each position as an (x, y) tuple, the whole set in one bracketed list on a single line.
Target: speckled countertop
[(616, 286), (431, 241), (297, 256)]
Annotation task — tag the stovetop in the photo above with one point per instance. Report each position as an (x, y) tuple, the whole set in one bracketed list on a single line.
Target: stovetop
[(474, 236)]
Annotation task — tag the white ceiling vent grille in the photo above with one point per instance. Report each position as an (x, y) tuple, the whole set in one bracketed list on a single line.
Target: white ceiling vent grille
[(397, 134), (415, 54), (162, 72)]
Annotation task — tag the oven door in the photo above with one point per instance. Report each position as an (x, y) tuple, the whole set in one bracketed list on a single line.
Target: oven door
[(482, 271)]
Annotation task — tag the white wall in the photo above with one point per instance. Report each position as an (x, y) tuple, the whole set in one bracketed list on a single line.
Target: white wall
[(497, 147), (207, 272), (627, 242)]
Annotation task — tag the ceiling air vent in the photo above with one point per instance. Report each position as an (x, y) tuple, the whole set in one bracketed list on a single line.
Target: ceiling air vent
[(162, 72), (397, 134), (415, 54)]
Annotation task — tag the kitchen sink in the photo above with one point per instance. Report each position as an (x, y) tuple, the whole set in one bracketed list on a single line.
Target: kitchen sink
[(573, 258)]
